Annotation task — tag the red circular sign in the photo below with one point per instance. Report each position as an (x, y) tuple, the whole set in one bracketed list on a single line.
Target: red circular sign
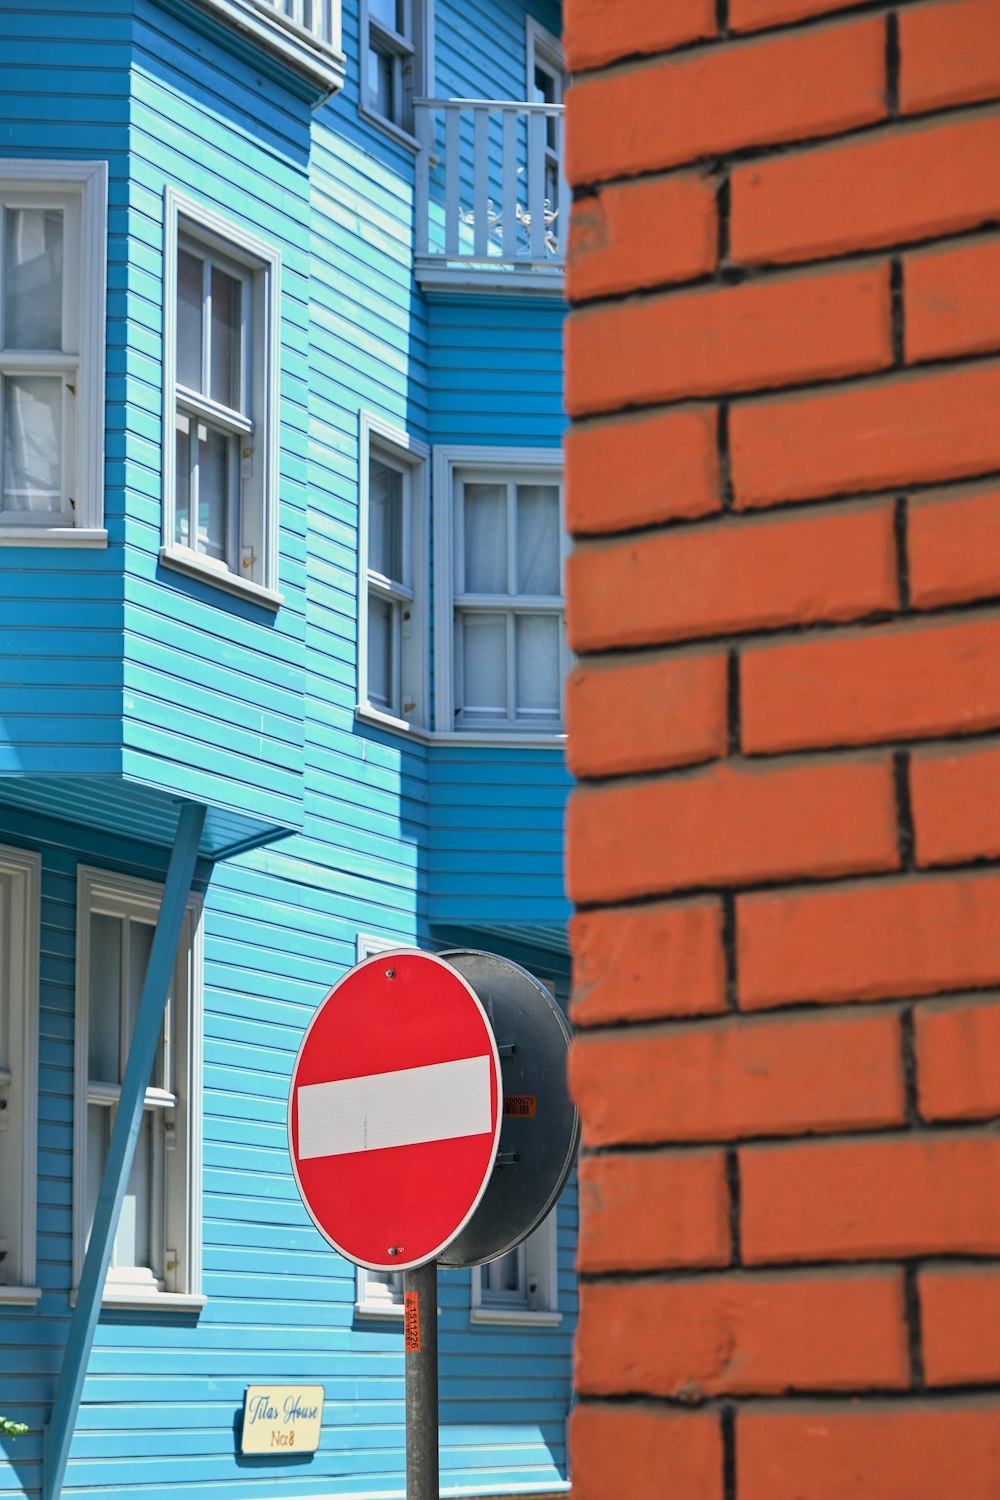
[(394, 1110)]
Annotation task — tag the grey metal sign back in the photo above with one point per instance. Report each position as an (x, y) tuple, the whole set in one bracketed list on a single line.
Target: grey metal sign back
[(541, 1128)]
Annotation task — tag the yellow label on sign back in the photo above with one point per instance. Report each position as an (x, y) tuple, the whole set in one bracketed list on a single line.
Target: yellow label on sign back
[(523, 1105), (281, 1419)]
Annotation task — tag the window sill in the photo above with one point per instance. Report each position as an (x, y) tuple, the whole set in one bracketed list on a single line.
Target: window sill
[(388, 127), (480, 738), (53, 536), (379, 1310), (189, 563), (522, 1317), (165, 1302), (20, 1296)]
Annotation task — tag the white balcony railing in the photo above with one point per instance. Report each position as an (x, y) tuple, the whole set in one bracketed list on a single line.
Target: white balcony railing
[(491, 198)]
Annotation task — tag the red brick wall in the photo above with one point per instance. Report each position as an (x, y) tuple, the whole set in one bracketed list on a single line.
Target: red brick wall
[(783, 366)]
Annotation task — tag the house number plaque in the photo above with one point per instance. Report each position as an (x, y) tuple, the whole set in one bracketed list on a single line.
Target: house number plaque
[(281, 1419)]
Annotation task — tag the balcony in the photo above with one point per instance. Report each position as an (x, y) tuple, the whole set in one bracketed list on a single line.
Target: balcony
[(304, 35), (492, 204)]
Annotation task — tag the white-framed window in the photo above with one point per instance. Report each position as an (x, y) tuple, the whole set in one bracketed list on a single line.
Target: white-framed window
[(20, 876), (392, 603), (53, 278), (521, 1286), (157, 1250), (220, 401), (378, 1294), (547, 82), (396, 61), (500, 547)]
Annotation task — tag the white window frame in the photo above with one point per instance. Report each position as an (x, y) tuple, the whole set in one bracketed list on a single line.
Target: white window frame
[(254, 573), (102, 891), (80, 189), (20, 886), (413, 52), (544, 49), (402, 452), (538, 1301), (373, 1298), (496, 463)]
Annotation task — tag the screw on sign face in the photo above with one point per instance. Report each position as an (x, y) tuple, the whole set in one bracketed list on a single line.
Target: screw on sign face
[(394, 1110)]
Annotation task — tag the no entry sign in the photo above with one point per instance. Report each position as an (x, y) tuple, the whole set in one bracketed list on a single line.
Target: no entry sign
[(394, 1110)]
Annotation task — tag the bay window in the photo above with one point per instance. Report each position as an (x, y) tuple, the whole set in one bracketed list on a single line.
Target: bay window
[(19, 957)]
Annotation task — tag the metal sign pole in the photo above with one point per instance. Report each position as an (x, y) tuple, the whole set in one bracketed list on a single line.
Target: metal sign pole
[(421, 1337)]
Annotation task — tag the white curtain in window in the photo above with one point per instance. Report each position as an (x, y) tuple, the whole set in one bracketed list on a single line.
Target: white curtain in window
[(537, 664), (33, 278), (485, 519), (32, 442), (484, 655), (385, 520), (538, 539)]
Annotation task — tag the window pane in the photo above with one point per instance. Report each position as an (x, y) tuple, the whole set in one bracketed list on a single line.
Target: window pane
[(537, 638), (226, 339), (133, 1242), (389, 13), (505, 1276), (104, 1021), (140, 943), (189, 319), (484, 657), (485, 517), (32, 278), (214, 479), (32, 443), (385, 520), (381, 83), (182, 501), (380, 623), (6, 941), (98, 1138), (384, 1286), (538, 539)]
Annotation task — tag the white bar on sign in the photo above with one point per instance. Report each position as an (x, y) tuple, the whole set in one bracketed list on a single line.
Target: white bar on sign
[(436, 1103)]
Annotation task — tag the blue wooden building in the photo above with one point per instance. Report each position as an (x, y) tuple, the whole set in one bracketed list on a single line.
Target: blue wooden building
[(282, 653)]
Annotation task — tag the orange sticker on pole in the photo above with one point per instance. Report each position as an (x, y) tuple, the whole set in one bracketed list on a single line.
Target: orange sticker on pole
[(524, 1106), (411, 1322)]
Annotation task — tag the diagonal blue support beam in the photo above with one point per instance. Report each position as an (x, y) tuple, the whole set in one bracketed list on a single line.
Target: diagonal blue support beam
[(128, 1119)]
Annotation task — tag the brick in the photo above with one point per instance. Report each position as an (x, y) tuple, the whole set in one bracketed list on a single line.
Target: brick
[(918, 428), (958, 1061), (730, 825), (595, 33), (713, 340), (642, 470), (647, 715), (646, 962), (656, 1211), (725, 98), (741, 1335), (871, 941), (956, 805), (960, 1324), (884, 683), (916, 1451), (733, 576), (629, 1450), (953, 544), (904, 1195), (948, 54), (641, 234), (952, 300), (754, 15), (914, 183), (723, 1080)]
